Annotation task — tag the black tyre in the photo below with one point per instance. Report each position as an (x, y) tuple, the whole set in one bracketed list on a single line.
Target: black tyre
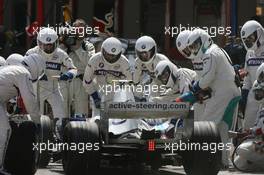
[(21, 156), (203, 161), (11, 152), (46, 136), (77, 162)]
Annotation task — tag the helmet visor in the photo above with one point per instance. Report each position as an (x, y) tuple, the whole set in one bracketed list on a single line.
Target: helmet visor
[(259, 94), (250, 40), (48, 48), (146, 55), (163, 78), (110, 57), (186, 52), (195, 46)]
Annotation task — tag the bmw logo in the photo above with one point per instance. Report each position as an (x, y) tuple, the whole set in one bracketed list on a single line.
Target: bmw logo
[(113, 50), (48, 39), (143, 46)]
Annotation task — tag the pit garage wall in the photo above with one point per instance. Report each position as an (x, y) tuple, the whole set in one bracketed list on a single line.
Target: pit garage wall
[(246, 9), (131, 18), (182, 12), (85, 10)]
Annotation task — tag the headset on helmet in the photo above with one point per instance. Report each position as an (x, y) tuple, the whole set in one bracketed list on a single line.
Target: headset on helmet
[(14, 59), (181, 43), (2, 61), (111, 50), (165, 73), (146, 49), (47, 41), (198, 42), (251, 34)]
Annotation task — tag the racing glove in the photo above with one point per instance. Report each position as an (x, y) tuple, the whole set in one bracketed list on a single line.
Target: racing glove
[(96, 99), (187, 97), (66, 76), (243, 101)]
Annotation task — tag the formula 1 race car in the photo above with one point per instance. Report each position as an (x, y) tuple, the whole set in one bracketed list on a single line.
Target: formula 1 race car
[(107, 139)]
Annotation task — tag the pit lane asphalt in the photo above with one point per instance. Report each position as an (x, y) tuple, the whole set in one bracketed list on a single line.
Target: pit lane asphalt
[(56, 169)]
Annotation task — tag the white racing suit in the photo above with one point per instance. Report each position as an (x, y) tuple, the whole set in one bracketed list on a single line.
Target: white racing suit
[(250, 154), (144, 76), (219, 75), (77, 94), (252, 62), (14, 81), (185, 77), (99, 76), (181, 86), (49, 88), (198, 68), (144, 72)]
